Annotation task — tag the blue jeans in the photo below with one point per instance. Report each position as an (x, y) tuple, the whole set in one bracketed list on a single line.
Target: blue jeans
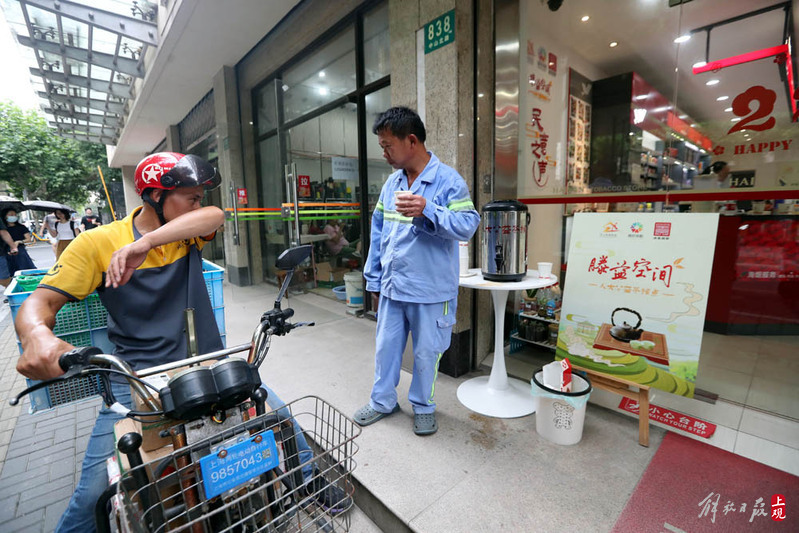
[(79, 516)]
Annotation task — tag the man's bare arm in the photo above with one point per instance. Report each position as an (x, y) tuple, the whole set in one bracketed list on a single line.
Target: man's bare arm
[(40, 347)]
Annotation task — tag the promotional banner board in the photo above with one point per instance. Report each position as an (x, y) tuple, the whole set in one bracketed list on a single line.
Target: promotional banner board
[(635, 295)]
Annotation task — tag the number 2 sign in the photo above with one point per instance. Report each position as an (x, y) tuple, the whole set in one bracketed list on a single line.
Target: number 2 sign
[(742, 107)]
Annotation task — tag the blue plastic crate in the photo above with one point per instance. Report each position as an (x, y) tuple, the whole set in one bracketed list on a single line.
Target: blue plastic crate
[(85, 323)]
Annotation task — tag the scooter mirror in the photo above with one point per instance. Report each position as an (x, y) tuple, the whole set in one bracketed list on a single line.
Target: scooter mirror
[(291, 258)]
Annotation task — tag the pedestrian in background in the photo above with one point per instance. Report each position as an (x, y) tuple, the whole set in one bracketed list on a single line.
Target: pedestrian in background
[(424, 210), (89, 220), (21, 236), (47, 228), (64, 230), (7, 248)]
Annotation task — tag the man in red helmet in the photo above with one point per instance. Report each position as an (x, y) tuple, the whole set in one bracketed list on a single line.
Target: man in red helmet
[(147, 269)]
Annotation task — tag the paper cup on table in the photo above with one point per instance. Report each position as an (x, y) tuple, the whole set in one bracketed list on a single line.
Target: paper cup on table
[(545, 270), (463, 257)]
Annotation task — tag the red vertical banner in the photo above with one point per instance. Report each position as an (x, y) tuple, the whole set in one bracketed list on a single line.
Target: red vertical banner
[(241, 196), (304, 186)]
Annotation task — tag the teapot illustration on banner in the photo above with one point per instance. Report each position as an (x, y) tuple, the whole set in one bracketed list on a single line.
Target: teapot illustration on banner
[(625, 332)]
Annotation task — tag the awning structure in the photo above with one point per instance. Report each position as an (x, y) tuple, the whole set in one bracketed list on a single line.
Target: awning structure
[(86, 59)]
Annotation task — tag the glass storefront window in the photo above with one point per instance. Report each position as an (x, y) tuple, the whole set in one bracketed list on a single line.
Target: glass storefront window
[(695, 114), (266, 104), (376, 50), (311, 105), (272, 196), (378, 169), (326, 75), (325, 151)]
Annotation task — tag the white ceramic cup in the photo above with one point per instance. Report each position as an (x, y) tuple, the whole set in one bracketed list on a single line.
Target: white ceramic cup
[(544, 270)]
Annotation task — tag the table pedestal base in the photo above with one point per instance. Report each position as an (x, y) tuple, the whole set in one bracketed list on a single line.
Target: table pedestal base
[(514, 401)]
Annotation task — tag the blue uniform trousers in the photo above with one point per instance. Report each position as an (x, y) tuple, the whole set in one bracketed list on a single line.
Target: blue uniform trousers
[(431, 327)]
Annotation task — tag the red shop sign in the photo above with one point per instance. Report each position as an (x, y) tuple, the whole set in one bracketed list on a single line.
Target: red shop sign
[(304, 186), (671, 418), (241, 196)]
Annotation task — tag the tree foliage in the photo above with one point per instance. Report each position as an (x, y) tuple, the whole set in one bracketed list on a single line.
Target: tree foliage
[(35, 160)]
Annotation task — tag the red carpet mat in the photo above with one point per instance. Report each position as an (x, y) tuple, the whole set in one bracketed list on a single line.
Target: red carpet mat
[(693, 487)]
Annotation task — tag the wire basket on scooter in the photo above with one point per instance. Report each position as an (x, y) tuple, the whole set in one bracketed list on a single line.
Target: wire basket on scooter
[(241, 479)]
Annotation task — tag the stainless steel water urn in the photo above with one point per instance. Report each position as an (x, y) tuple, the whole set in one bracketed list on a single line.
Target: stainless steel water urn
[(504, 249)]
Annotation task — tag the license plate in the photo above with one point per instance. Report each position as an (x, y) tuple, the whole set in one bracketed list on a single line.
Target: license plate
[(229, 467)]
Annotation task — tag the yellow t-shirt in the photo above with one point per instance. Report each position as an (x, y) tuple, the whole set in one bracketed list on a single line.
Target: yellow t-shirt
[(146, 315)]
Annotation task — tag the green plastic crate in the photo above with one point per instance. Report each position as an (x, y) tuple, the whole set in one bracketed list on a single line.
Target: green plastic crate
[(85, 323)]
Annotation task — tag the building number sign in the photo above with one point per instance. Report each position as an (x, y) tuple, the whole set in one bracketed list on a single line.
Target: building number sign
[(439, 32)]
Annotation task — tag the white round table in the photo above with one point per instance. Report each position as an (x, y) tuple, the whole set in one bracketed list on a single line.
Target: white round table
[(496, 395)]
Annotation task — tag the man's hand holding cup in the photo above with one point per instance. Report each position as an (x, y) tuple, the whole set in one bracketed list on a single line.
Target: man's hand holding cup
[(409, 204)]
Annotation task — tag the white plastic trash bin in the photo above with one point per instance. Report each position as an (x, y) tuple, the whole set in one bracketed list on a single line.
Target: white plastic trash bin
[(559, 416), (353, 283)]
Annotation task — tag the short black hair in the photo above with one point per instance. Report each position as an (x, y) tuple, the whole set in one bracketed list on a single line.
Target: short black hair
[(400, 121), (717, 166)]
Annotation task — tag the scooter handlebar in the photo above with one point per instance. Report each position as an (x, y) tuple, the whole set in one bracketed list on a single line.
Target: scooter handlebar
[(77, 357)]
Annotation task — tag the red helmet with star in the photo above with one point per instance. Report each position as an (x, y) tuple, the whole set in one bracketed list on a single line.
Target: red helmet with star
[(169, 170)]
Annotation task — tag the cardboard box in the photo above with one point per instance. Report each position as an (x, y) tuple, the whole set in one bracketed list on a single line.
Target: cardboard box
[(150, 430), (337, 274), (127, 425), (325, 272)]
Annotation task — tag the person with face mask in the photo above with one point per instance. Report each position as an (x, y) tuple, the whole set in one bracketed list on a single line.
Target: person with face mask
[(21, 236)]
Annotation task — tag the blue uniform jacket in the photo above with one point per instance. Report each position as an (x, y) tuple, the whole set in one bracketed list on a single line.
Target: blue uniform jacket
[(416, 259)]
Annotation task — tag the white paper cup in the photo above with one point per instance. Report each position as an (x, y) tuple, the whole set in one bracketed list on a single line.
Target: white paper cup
[(545, 270), (463, 257), (397, 194)]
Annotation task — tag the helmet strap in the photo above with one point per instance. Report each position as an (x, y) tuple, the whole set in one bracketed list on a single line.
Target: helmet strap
[(157, 206)]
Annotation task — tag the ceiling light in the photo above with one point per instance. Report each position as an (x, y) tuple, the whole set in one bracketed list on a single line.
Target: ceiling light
[(285, 87), (613, 44), (682, 39), (722, 98), (699, 64), (585, 18), (642, 96), (728, 109), (683, 116), (736, 119), (321, 73), (323, 91), (480, 95), (661, 109), (712, 82)]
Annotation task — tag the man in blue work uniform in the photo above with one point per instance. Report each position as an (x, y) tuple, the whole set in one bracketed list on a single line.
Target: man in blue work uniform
[(413, 265)]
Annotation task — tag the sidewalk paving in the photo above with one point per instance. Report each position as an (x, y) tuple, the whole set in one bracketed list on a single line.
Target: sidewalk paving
[(40, 455), (476, 474)]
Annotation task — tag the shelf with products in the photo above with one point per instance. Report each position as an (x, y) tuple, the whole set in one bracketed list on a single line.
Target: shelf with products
[(534, 329), (522, 314), (547, 344)]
